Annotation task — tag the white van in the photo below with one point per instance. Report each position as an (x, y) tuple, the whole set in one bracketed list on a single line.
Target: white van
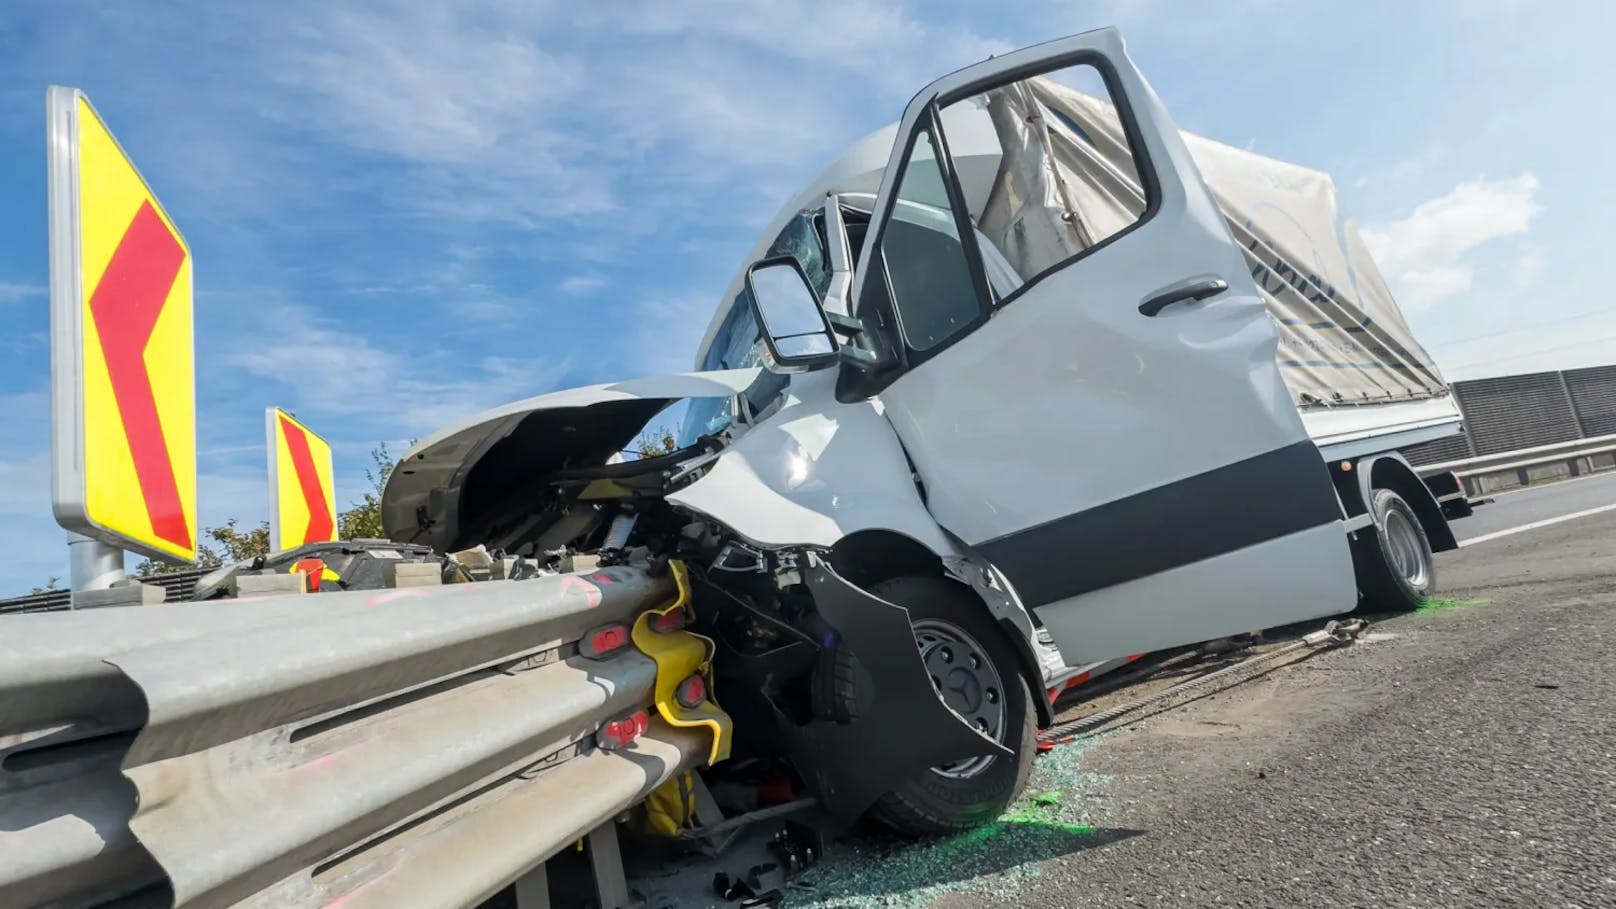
[(1010, 368)]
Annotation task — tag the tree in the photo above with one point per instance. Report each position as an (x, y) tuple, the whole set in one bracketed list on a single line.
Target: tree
[(50, 585), (364, 519), (234, 546), (656, 440), (239, 546)]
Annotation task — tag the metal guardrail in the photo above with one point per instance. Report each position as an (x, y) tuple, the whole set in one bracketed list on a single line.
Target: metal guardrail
[(392, 748), (1506, 460), (1469, 470)]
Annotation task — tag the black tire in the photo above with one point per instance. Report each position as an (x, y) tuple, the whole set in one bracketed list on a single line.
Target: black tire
[(1396, 572), (934, 803)]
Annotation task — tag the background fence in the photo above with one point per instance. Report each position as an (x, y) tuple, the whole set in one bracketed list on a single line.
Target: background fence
[(177, 585), (1514, 412)]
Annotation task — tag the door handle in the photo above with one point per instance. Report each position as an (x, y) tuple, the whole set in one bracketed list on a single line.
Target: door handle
[(1193, 289)]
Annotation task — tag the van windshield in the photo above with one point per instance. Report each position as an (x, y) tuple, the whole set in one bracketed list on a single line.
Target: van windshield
[(738, 342)]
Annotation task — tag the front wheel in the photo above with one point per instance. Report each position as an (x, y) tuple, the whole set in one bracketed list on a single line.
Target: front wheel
[(1396, 571), (974, 671)]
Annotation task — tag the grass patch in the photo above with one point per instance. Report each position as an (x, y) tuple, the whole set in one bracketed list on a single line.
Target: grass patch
[(1438, 604)]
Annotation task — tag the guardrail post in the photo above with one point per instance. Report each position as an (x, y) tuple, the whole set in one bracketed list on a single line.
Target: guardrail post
[(606, 861), (92, 564), (533, 889)]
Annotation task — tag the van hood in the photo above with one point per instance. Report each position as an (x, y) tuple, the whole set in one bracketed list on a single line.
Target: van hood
[(452, 487)]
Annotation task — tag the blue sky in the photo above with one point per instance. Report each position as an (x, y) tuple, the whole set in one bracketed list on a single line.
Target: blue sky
[(400, 214)]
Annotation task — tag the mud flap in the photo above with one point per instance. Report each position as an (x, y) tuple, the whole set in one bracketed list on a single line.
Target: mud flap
[(903, 730)]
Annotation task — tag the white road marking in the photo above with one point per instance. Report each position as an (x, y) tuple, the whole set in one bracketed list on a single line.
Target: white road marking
[(1536, 524)]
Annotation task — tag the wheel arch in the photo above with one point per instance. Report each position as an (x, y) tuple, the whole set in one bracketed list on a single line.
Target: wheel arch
[(868, 557), (1390, 471)]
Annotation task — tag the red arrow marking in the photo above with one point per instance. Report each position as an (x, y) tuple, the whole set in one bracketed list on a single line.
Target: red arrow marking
[(308, 479), (125, 307)]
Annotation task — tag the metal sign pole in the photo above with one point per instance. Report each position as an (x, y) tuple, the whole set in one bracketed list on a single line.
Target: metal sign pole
[(92, 564)]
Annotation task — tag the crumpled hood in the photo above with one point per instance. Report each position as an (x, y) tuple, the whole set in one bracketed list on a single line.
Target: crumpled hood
[(449, 488)]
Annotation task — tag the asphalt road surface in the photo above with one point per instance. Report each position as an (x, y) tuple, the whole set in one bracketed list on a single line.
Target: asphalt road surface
[(1525, 507), (1464, 756)]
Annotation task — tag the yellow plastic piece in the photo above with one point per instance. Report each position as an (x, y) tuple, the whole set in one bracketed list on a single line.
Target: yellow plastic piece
[(669, 808), (679, 655)]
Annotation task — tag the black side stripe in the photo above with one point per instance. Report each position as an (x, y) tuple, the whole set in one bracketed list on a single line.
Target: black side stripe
[(1195, 518)]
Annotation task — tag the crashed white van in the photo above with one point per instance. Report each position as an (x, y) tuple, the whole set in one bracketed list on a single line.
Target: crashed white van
[(1030, 363)]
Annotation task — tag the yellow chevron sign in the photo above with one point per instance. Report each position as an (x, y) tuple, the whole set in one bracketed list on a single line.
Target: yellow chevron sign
[(123, 370), (302, 496)]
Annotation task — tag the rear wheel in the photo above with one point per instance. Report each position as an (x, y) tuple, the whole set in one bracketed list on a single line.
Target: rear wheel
[(974, 671), (1396, 571)]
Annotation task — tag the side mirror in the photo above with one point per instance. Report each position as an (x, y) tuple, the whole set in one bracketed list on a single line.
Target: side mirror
[(789, 316)]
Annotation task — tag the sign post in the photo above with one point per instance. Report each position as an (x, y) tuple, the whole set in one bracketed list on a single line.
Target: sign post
[(92, 564), (123, 393), (302, 496)]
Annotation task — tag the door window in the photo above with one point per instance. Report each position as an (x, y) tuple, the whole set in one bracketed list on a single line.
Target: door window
[(1047, 168), (928, 275)]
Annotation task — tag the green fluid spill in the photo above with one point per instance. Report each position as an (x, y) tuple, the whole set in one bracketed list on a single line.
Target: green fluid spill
[(1434, 604)]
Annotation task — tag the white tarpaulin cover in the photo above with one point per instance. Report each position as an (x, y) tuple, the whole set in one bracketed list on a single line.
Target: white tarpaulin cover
[(1342, 339)]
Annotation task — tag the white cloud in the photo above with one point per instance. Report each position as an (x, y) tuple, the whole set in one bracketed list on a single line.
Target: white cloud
[(530, 113), (881, 42), (1406, 170), (580, 285), (1426, 256), (24, 342), (1529, 268), (386, 393), (11, 292), (25, 485), (28, 422), (241, 496), (469, 97), (1571, 343), (36, 549), (1419, 163), (668, 328)]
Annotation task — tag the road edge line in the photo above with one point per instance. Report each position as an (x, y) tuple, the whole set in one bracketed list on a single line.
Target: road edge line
[(1536, 524)]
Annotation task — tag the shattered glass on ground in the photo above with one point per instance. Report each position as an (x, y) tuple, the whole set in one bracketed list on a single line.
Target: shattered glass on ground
[(1061, 812)]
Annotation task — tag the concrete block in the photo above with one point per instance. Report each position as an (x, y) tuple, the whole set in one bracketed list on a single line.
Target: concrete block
[(1496, 482), (123, 595), (412, 574), (258, 585), (1548, 473)]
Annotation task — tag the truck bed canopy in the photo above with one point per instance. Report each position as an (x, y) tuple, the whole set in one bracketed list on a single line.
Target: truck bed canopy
[(1066, 173)]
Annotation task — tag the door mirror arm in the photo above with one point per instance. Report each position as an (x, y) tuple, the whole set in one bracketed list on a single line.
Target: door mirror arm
[(863, 350), (852, 326), (866, 364), (862, 359)]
